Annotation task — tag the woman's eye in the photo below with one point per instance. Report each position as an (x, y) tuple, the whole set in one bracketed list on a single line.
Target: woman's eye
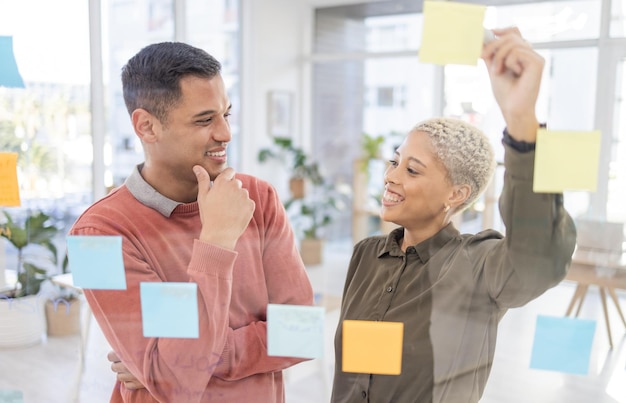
[(393, 163)]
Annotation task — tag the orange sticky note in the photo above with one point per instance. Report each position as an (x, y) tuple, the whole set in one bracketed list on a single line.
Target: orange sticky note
[(372, 347), (9, 189), (452, 33), (566, 160)]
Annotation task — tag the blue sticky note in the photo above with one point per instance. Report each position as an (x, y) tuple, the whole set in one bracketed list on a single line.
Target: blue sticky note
[(563, 344), (295, 331), (11, 396), (96, 262), (9, 74), (169, 310)]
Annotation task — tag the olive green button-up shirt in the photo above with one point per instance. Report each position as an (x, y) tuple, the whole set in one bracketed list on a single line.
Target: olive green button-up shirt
[(451, 290)]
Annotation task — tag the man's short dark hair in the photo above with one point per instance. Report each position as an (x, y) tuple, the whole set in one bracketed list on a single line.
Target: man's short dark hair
[(151, 78)]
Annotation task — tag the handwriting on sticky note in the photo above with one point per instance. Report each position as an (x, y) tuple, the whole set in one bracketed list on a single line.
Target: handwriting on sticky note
[(562, 344), (566, 160), (452, 33), (96, 262), (9, 188), (169, 309), (295, 331), (372, 347)]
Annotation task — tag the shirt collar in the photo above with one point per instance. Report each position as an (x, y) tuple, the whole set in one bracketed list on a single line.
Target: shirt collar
[(147, 195), (424, 249)]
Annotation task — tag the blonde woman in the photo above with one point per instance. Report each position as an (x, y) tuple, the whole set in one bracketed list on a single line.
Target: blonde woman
[(450, 290)]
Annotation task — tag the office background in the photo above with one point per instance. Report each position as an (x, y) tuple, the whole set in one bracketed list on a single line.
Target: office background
[(345, 70)]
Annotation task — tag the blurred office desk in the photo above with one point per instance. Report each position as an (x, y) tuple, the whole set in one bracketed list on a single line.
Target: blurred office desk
[(606, 270)]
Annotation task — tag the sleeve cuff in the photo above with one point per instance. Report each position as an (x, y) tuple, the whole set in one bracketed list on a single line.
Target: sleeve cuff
[(519, 146)]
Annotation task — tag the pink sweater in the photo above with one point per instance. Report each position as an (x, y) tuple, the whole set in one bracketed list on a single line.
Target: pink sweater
[(229, 361)]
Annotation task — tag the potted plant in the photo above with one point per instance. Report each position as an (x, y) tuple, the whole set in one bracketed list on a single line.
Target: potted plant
[(62, 308), (22, 318), (309, 211), (301, 169)]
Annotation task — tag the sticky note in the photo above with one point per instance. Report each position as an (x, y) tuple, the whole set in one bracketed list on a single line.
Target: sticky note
[(562, 344), (295, 331), (169, 310), (9, 188), (96, 262), (452, 33), (9, 74), (566, 160), (11, 396), (372, 347)]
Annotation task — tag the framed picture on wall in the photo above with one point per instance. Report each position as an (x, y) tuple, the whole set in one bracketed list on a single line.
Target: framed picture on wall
[(279, 113)]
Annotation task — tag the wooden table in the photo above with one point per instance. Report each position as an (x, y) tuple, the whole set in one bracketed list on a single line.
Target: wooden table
[(605, 270)]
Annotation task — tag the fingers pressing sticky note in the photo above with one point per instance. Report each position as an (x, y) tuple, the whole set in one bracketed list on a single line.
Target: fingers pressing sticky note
[(372, 347), (169, 310), (9, 189), (96, 262), (453, 33), (295, 331), (566, 160)]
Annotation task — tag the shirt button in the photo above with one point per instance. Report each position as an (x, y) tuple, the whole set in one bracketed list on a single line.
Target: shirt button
[(363, 394), (389, 289)]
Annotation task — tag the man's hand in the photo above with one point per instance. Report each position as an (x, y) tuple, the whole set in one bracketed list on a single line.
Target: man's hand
[(515, 71), (225, 207), (123, 375)]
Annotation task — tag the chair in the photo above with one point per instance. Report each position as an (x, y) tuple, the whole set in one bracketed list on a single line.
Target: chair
[(600, 260)]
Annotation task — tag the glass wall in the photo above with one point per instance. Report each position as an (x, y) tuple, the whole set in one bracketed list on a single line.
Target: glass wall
[(50, 125), (395, 91), (48, 122)]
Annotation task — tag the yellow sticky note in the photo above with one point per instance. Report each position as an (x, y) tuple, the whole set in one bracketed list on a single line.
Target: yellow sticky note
[(9, 189), (566, 160), (452, 33), (372, 347)]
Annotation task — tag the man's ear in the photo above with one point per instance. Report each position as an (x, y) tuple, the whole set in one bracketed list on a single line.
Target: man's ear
[(459, 195), (146, 125)]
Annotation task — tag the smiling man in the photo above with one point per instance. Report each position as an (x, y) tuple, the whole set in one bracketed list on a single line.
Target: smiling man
[(185, 216)]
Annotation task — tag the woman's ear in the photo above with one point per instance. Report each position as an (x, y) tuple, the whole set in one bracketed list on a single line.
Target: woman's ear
[(146, 125), (459, 195)]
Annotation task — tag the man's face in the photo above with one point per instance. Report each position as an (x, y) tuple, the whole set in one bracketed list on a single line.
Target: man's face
[(196, 131)]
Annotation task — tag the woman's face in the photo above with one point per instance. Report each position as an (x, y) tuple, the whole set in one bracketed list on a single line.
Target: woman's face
[(417, 189)]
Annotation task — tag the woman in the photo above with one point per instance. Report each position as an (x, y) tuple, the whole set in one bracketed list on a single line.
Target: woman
[(450, 290)]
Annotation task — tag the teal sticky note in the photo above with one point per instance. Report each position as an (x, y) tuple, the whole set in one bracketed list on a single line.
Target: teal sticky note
[(295, 331), (169, 310), (11, 396), (563, 344), (9, 74), (96, 262)]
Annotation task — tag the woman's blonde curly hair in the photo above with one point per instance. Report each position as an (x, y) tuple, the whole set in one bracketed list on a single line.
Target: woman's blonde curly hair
[(465, 152)]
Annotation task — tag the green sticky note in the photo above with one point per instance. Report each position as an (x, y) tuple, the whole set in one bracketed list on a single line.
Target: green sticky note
[(566, 160), (295, 331), (11, 396), (169, 310), (452, 33), (96, 262)]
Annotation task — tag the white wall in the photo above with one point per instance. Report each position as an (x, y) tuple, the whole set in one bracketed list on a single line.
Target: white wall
[(274, 40)]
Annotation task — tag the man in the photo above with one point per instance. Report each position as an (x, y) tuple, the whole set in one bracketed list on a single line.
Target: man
[(184, 216)]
